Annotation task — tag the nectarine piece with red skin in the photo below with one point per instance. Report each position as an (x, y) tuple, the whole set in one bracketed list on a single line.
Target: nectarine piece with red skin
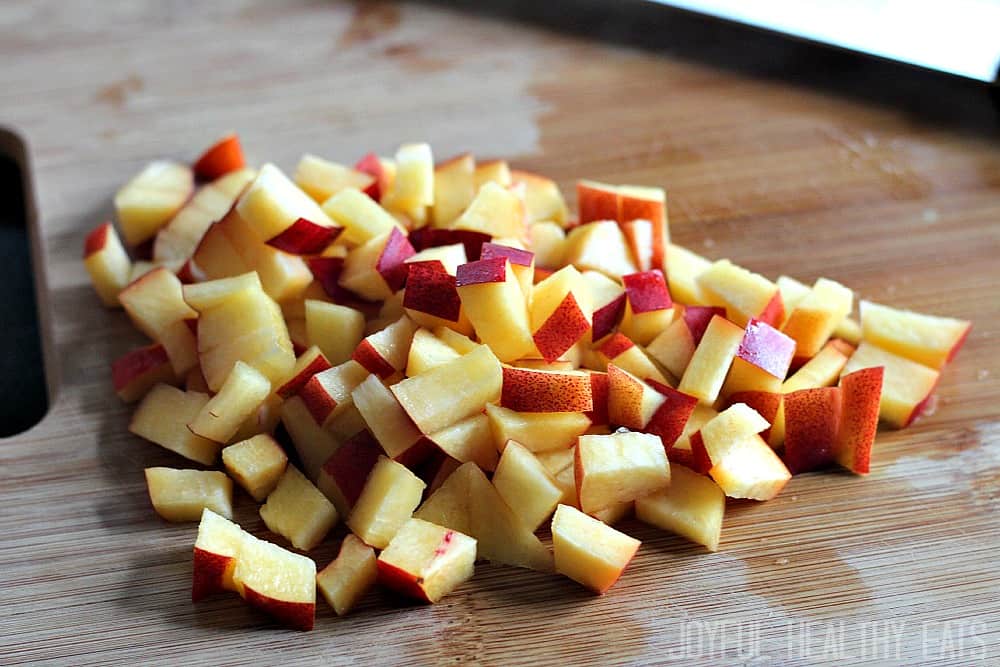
[(812, 419), (596, 201), (670, 418), (137, 371), (374, 166), (762, 360), (599, 391), (496, 306), (675, 345), (907, 386), (431, 298), (560, 312), (342, 476), (325, 394), (526, 390), (744, 294), (622, 352), (767, 403), (272, 203), (215, 552), (385, 352), (632, 403), (278, 582), (522, 263), (648, 308), (222, 157), (425, 561), (361, 217), (608, 301), (305, 237), (106, 261), (309, 363), (861, 393)]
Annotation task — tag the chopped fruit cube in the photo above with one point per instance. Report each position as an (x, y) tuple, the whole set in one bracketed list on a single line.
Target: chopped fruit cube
[(426, 561), (927, 339), (347, 578), (276, 581), (692, 506), (454, 188), (548, 241), (412, 189), (560, 312), (526, 486), (649, 308), (522, 262), (137, 371), (750, 469), (812, 418), (328, 393), (495, 304), (669, 420), (631, 402), (385, 352), (321, 179), (450, 257), (861, 393), (272, 203), (400, 438), (907, 386), (452, 391), (849, 331), (675, 345), (343, 475), (255, 464), (711, 361), (377, 268), (744, 294), (820, 371), (599, 246), (312, 442), (428, 351), (588, 551), (468, 440), (495, 210), (608, 299), (215, 552), (816, 316), (762, 360), (431, 298), (542, 199), (526, 390), (623, 353), (536, 431), (298, 511), (149, 200), (242, 393), (183, 495), (618, 468), (496, 171), (108, 264), (387, 501), (163, 416), (221, 158), (309, 363), (596, 201), (361, 217), (684, 267), (768, 405)]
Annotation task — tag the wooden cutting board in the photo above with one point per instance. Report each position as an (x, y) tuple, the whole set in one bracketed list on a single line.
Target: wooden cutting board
[(783, 157)]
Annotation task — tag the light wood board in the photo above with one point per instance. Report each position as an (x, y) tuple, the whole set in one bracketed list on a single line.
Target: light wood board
[(875, 182)]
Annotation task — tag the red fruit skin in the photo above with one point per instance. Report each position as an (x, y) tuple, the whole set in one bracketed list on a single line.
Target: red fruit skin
[(766, 348), (96, 239), (429, 237), (207, 574), (700, 461), (698, 317), (350, 465), (482, 271), (616, 345), (371, 165), (594, 204), (607, 317), (647, 291), (391, 263), (515, 255), (774, 311), (525, 390), (431, 289), (317, 400), (366, 355), (401, 581), (566, 325), (293, 386), (224, 156), (670, 418), (812, 421), (295, 615), (135, 363), (326, 271), (861, 393), (599, 390), (304, 237)]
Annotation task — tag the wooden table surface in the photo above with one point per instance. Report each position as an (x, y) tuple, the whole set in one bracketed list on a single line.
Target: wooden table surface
[(784, 157)]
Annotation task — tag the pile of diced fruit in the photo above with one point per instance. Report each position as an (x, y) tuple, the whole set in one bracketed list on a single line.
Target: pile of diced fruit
[(456, 362)]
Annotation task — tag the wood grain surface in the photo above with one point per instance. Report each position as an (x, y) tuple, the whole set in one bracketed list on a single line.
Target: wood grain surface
[(784, 157)]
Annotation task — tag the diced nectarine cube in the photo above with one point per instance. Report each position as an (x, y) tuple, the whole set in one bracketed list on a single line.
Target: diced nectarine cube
[(348, 577), (692, 506), (182, 495), (255, 464), (388, 500), (298, 511), (588, 551)]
